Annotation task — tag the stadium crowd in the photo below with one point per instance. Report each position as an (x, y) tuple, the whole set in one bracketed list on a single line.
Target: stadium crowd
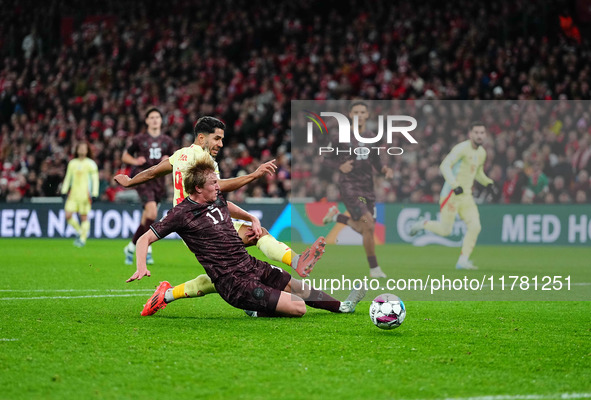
[(69, 76)]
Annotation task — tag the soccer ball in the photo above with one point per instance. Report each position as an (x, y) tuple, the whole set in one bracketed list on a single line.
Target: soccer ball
[(387, 311)]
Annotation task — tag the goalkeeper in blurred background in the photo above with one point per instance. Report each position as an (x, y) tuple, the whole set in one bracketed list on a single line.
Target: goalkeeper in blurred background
[(82, 183), (459, 168)]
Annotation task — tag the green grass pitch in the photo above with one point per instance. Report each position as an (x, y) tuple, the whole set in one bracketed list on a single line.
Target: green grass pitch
[(70, 328)]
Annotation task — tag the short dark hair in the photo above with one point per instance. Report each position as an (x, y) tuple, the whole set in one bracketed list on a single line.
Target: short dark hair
[(358, 103), (208, 125), (152, 109), (476, 123), (197, 174)]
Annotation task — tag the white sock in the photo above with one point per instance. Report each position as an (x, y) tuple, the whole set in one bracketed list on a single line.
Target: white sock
[(130, 247), (294, 261), (463, 259), (168, 297), (149, 249)]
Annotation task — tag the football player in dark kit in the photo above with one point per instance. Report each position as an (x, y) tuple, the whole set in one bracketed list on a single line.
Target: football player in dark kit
[(357, 190), (147, 150), (203, 221)]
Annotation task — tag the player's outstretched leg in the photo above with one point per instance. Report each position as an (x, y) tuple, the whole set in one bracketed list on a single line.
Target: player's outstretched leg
[(165, 293), (271, 247), (197, 287), (318, 299), (297, 295), (279, 251), (365, 226)]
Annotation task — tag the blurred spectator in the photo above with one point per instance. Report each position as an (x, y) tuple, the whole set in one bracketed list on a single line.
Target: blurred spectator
[(514, 184), (549, 198), (537, 184), (581, 197), (557, 186), (31, 44), (564, 198), (92, 79), (582, 182)]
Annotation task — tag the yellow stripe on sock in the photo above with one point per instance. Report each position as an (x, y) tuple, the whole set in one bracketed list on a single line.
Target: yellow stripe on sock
[(287, 257), (179, 291)]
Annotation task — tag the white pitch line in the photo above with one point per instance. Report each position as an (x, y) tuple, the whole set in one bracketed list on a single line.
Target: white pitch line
[(562, 396), (70, 297), (8, 340)]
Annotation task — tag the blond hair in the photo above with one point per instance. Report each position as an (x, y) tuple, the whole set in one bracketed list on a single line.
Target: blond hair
[(196, 176)]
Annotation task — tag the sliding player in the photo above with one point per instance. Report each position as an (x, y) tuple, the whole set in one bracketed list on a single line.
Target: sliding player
[(203, 221), (209, 135)]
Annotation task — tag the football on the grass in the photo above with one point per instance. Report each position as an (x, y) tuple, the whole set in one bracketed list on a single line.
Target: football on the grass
[(387, 311)]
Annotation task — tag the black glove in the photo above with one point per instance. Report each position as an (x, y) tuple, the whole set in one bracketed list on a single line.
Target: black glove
[(94, 198), (458, 190), (493, 189)]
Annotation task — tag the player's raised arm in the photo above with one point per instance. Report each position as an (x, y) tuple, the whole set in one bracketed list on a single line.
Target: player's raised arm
[(239, 213), (131, 160), (229, 185), (141, 250), (162, 168)]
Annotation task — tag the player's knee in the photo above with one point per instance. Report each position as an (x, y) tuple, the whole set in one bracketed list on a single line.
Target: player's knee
[(447, 229), (298, 309), (291, 306), (368, 224), (475, 226)]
